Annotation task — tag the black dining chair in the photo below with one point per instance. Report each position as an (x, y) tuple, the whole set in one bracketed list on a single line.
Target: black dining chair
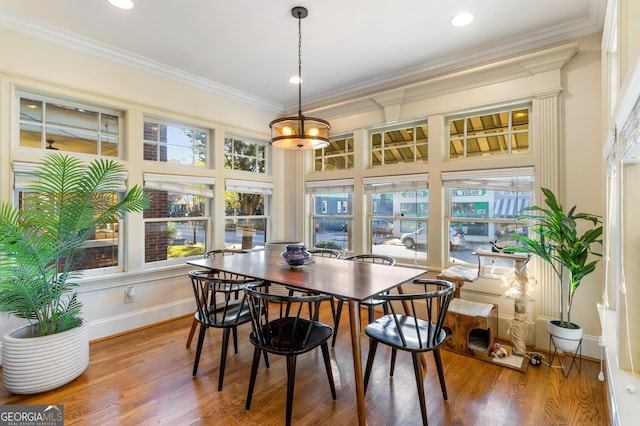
[(325, 252), (217, 274), (217, 308), (418, 329), (370, 302), (288, 326)]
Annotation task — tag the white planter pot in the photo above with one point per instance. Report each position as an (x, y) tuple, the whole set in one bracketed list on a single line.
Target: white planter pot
[(38, 364), (565, 339)]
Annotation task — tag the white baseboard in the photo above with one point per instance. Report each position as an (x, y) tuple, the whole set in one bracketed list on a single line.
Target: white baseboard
[(117, 324)]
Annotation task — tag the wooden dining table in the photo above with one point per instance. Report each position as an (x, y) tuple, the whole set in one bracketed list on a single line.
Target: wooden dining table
[(354, 281)]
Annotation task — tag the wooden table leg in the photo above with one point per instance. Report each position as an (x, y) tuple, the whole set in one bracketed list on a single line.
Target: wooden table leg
[(354, 318)]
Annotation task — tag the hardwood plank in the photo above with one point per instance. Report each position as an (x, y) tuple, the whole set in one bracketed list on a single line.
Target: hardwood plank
[(144, 377)]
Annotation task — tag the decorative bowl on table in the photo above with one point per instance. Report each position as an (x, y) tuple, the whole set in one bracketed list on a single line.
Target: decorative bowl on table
[(296, 256)]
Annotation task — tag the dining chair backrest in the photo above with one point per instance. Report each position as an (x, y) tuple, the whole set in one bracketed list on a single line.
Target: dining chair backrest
[(215, 306), (420, 311), (212, 254), (325, 252), (372, 258), (282, 323), (222, 252)]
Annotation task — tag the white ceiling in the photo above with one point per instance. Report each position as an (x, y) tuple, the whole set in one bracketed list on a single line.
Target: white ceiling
[(349, 47)]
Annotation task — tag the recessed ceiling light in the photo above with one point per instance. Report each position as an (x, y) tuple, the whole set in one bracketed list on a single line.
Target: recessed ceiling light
[(122, 4), (462, 19), (295, 80)]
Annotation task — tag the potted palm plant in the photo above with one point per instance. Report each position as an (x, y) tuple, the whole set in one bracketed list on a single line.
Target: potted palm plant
[(41, 241), (570, 254)]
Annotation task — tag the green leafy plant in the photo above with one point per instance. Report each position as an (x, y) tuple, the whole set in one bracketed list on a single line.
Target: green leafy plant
[(558, 243), (42, 239)]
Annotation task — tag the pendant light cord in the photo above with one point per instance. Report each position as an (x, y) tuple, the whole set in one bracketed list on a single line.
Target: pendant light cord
[(300, 67)]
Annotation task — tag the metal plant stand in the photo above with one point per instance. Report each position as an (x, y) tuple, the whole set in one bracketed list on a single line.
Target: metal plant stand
[(576, 355)]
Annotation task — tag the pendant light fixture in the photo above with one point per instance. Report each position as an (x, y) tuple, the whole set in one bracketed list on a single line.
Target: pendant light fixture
[(299, 132)]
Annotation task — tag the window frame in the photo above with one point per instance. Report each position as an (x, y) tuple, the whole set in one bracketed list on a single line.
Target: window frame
[(413, 145), (503, 180), (509, 134), (232, 138), (185, 185), (69, 103), (242, 186), (204, 162), (397, 185), (347, 152), (331, 188)]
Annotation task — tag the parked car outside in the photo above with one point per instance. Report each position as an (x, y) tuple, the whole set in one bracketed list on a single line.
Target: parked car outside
[(381, 227), (419, 237)]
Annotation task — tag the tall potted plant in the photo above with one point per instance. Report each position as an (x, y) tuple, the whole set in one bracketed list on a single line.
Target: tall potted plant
[(41, 241), (570, 254)]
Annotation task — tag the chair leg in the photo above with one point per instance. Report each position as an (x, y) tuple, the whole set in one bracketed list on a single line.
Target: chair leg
[(370, 313), (291, 378), (394, 352), (203, 330), (327, 365), (336, 322), (443, 386), (417, 369), (373, 345), (333, 311), (223, 357), (252, 378), (235, 339), (192, 331)]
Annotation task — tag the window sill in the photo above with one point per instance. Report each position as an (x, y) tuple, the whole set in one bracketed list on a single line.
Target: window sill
[(623, 388)]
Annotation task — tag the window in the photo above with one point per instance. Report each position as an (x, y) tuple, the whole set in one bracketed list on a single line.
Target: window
[(406, 144), (483, 206), (176, 223), (502, 132), (399, 213), (103, 249), (332, 213), (245, 154), (68, 126), (337, 156), (172, 143), (246, 214)]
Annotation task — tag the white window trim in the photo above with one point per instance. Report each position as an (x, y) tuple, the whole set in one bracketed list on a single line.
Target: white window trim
[(249, 186), (336, 186), (398, 183), (179, 183)]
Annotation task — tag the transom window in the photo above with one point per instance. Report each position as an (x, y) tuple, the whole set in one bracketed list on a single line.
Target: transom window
[(406, 144), (502, 132), (68, 126), (337, 156), (245, 154), (174, 143)]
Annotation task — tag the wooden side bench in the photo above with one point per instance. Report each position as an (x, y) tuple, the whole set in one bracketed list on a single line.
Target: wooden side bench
[(473, 326)]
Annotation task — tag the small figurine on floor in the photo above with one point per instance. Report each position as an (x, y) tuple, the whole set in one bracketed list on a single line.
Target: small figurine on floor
[(501, 351)]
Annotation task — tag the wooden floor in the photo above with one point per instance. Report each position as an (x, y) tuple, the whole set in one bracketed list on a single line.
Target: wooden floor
[(144, 377)]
